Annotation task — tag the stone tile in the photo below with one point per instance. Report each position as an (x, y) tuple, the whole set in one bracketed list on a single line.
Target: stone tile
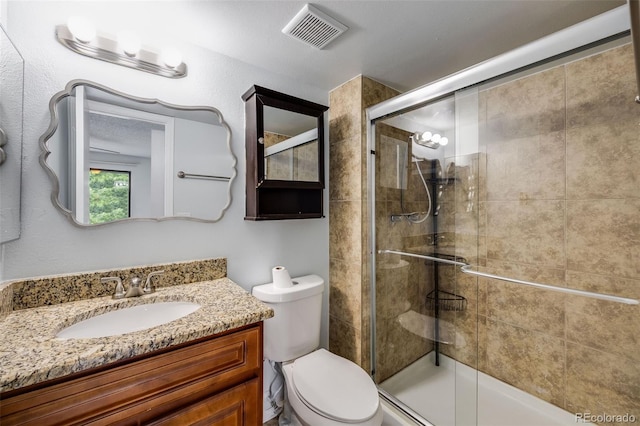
[(345, 110), (465, 347), (608, 284), (602, 237), (608, 326), (393, 288), (531, 168), (529, 232), (603, 160), (344, 170), (345, 293), (602, 383), (531, 361), (526, 307), (528, 107), (482, 230), (397, 348), (344, 340), (345, 225), (601, 88), (374, 92)]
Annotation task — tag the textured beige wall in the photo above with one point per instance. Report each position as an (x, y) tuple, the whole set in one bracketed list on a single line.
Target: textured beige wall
[(349, 297), (401, 283), (556, 200), (560, 204)]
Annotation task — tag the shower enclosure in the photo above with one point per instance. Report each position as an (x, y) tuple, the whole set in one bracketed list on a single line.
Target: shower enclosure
[(505, 237)]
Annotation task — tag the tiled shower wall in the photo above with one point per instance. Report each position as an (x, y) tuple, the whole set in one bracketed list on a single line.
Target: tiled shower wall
[(349, 313), (403, 332), (560, 204)]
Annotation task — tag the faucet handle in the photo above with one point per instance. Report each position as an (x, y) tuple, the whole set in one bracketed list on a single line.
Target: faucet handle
[(148, 287), (119, 293)]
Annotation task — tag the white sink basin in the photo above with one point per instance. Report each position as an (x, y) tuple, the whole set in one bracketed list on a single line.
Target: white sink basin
[(128, 320)]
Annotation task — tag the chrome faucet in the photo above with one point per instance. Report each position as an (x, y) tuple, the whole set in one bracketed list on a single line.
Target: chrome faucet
[(119, 293), (148, 286), (134, 289)]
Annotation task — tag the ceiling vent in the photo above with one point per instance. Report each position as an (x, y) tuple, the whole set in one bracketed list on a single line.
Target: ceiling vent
[(314, 27)]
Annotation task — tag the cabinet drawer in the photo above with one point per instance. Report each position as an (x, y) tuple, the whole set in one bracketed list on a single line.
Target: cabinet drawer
[(234, 407), (143, 388)]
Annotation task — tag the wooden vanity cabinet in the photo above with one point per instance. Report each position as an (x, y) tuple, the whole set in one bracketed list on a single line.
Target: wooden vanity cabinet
[(212, 381)]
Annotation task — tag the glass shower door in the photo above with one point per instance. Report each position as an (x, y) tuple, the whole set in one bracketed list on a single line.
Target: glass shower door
[(426, 212)]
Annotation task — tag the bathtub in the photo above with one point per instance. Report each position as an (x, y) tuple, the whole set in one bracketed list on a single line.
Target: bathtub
[(447, 396)]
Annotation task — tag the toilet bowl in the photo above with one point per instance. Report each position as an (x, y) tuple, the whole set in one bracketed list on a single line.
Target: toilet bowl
[(327, 390), (323, 389)]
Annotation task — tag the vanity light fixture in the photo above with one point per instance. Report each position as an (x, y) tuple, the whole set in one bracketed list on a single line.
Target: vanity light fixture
[(126, 49), (129, 42), (430, 140)]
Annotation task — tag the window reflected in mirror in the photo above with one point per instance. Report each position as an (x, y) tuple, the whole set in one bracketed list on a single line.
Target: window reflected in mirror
[(109, 195), (115, 157)]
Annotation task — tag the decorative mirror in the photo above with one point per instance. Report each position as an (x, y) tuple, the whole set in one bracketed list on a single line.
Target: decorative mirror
[(285, 156), (11, 100), (115, 157)]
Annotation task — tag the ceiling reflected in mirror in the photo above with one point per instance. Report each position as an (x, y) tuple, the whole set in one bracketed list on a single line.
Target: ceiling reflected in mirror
[(114, 157)]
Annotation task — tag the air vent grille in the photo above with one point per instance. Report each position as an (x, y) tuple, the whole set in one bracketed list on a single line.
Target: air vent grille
[(314, 27)]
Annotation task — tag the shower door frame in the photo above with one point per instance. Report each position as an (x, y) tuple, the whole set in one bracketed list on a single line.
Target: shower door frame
[(612, 25)]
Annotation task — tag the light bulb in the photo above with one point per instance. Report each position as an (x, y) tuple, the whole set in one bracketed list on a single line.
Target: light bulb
[(444, 141), (171, 57), (436, 138), (426, 136), (81, 28), (129, 42)]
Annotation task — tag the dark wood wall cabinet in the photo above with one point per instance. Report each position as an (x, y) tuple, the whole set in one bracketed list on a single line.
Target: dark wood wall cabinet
[(285, 156), (212, 381)]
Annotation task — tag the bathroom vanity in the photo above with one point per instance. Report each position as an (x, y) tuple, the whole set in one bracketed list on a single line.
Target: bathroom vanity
[(204, 367), (216, 380)]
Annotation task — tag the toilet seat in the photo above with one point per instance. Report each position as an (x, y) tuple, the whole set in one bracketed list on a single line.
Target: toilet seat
[(334, 387)]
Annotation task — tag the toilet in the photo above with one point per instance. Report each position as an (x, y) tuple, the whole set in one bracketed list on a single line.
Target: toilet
[(323, 389)]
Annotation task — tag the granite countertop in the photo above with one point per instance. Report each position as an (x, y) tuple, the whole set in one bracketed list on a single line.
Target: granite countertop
[(30, 353)]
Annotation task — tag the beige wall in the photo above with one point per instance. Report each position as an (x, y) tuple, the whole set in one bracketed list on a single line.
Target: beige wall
[(556, 199), (349, 322), (560, 204)]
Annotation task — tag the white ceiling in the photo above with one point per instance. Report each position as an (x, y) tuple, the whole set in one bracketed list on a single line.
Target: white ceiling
[(403, 44)]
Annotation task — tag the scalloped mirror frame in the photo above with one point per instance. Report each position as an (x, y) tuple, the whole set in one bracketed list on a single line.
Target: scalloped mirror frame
[(53, 126)]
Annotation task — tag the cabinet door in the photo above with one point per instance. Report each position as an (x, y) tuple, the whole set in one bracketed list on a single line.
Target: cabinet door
[(234, 407), (146, 388)]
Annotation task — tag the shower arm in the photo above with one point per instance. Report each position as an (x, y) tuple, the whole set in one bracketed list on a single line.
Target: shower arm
[(466, 268), (634, 10)]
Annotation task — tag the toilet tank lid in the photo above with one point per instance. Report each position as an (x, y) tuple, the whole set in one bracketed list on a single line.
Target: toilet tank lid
[(305, 286)]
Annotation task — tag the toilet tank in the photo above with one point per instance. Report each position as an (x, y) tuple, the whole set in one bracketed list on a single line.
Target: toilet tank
[(294, 330)]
